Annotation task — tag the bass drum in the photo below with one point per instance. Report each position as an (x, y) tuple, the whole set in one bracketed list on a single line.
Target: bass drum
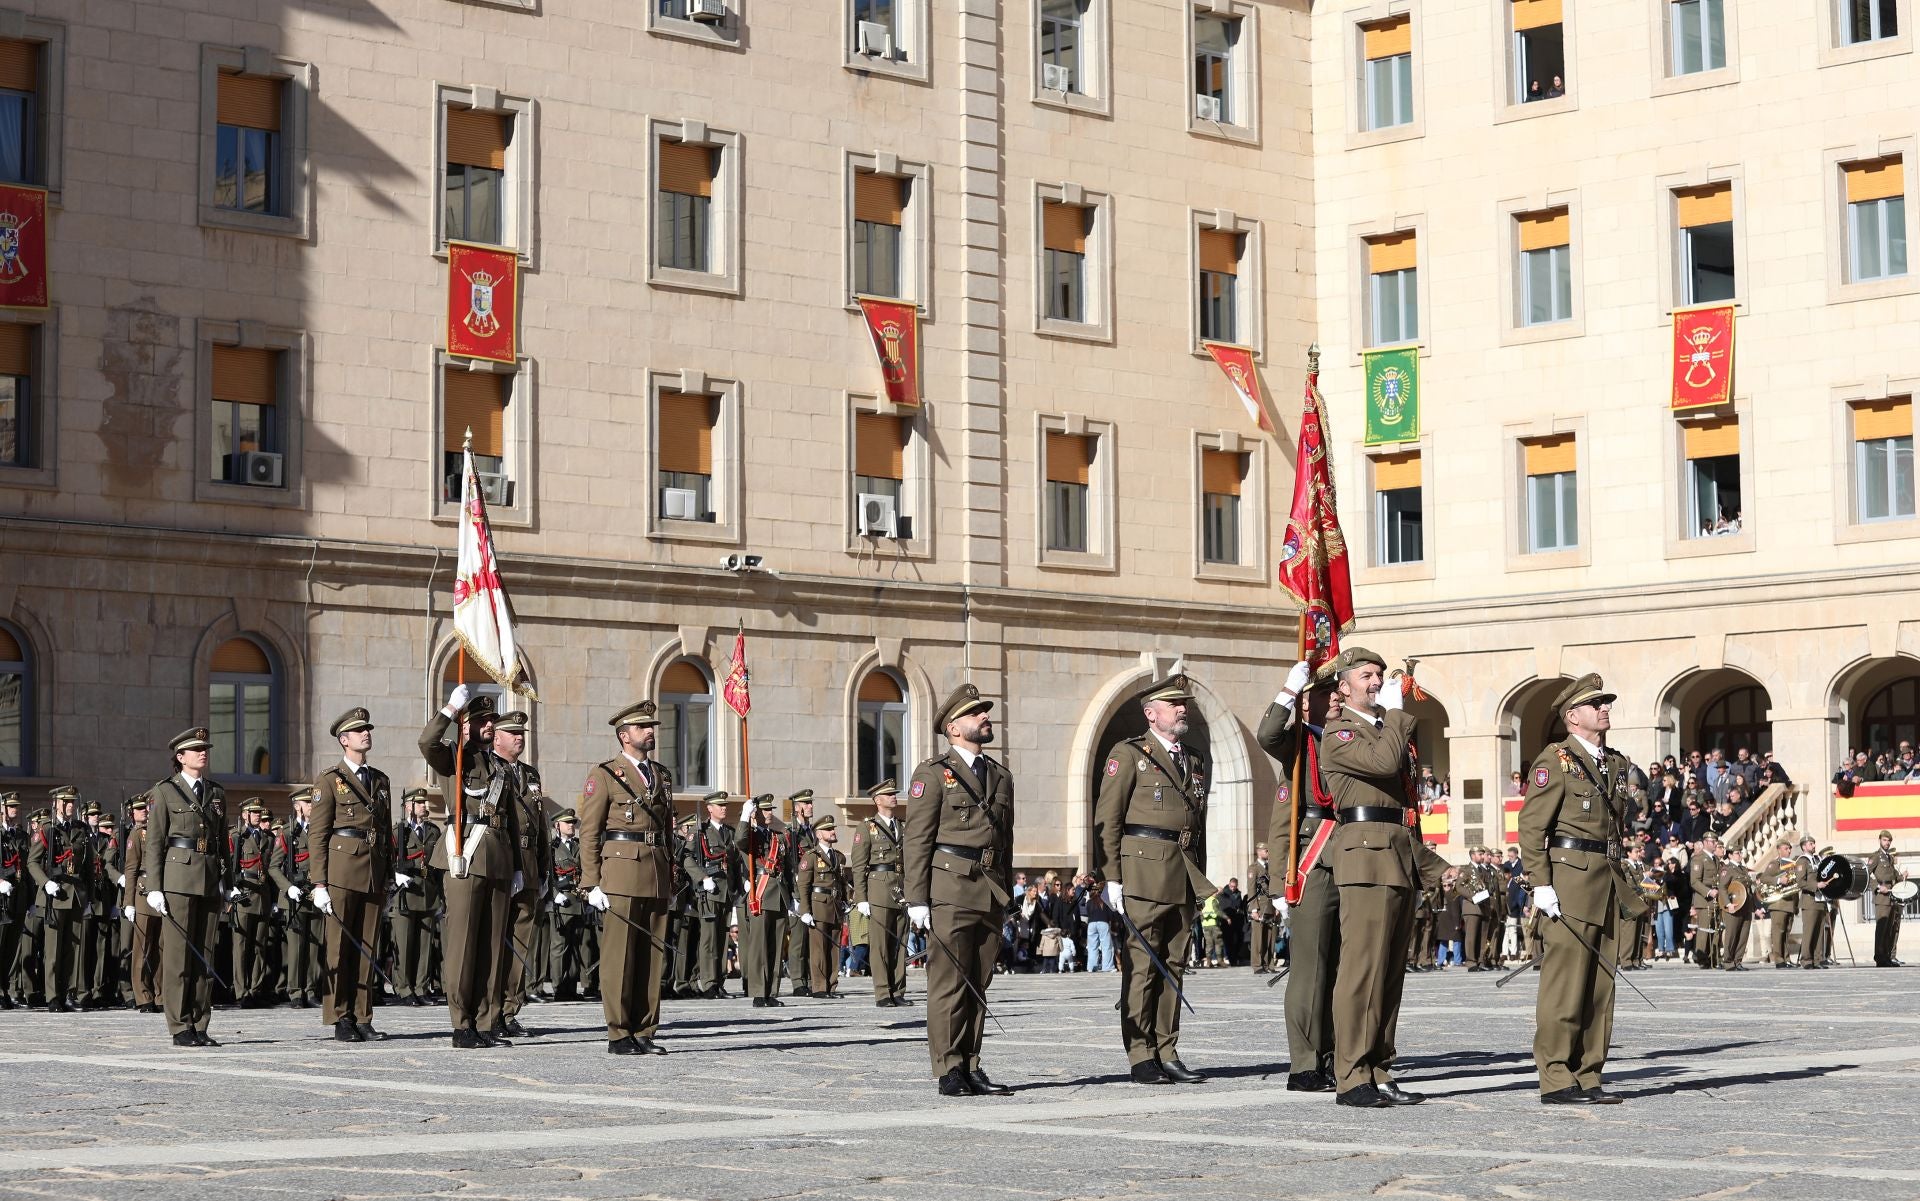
[(1734, 899), (1842, 877)]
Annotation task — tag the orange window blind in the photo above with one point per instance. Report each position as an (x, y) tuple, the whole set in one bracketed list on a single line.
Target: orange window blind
[(686, 170), (16, 348), (475, 400), (1394, 252), (242, 656), (250, 101), (879, 198), (10, 648), (1065, 227), (1220, 251), (1540, 231), (19, 65), (1385, 39), (686, 433), (249, 376), (1535, 14), (1877, 419), (1069, 458), (1880, 179), (879, 443), (684, 678), (881, 687), (1221, 473), (1711, 205), (1713, 439), (478, 139), (1393, 472), (1550, 456)]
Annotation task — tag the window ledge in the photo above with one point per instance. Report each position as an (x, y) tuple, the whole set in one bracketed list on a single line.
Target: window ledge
[(1419, 344), (1568, 103), (1550, 560), (1225, 131), (919, 306), (221, 492), (1551, 331), (907, 72), (1074, 331), (1739, 304), (525, 256), (1708, 547), (1897, 529), (722, 35), (1860, 52), (1086, 561), (516, 517), (1074, 102), (1362, 138), (1230, 573), (676, 279), (1396, 573), (881, 550), (215, 217), (1874, 289), (1698, 81), (1200, 352), (29, 477), (712, 533)]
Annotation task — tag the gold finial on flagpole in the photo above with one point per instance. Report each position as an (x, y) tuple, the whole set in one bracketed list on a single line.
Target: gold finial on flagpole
[(466, 443), (1313, 357)]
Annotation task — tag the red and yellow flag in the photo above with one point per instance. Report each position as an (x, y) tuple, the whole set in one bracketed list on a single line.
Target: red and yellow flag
[(894, 326), (23, 247), (483, 301), (1237, 362), (1313, 559), (735, 689), (1702, 357)]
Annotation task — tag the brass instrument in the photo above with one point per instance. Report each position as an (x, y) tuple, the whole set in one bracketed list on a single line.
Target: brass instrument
[(1414, 691)]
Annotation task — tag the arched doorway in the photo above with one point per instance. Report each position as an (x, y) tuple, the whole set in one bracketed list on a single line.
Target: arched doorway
[(1879, 702), (1720, 708), (1528, 722), (1430, 734)]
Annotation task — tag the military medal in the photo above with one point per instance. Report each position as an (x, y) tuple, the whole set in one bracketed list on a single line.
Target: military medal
[(628, 814)]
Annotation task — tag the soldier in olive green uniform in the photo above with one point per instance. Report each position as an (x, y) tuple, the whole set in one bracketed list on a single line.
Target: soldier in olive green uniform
[(879, 895), (1816, 918), (959, 868), (181, 872), (290, 867), (1150, 845), (1703, 878), (1571, 823), (250, 895), (26, 982), (1883, 872), (478, 852), (143, 970), (1313, 916), (105, 878), (16, 893), (626, 870), (59, 860), (712, 865), (1472, 916), (1780, 880), (1735, 919), (571, 917), (534, 843), (767, 856), (1380, 865), (683, 926), (352, 839), (820, 889), (411, 910), (799, 944)]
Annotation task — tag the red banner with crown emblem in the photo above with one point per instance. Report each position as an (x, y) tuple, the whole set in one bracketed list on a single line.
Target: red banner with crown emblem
[(483, 301), (1237, 363), (1702, 357), (23, 247), (1313, 559), (894, 326)]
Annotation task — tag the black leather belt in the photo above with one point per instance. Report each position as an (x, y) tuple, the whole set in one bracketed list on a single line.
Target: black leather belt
[(984, 856), (182, 842), (1591, 846), (1373, 813), (883, 867), (1183, 837), (353, 832), (824, 892), (650, 837), (1319, 812)]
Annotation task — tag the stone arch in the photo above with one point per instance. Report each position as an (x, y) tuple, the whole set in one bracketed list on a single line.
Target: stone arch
[(1528, 723), (920, 740), (441, 663), (290, 682), (1689, 699), (1854, 687), (38, 647)]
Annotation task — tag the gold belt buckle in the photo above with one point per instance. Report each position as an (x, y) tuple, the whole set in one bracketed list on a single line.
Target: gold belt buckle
[(987, 857), (1186, 836), (200, 845)]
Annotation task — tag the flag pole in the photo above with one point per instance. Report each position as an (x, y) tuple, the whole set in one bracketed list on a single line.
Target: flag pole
[(1293, 826), (459, 808), (746, 755)]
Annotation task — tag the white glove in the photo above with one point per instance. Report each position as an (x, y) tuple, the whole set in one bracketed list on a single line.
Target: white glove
[(733, 918), (294, 894), (519, 882), (866, 910), (157, 901), (234, 894), (53, 888), (1546, 900), (806, 919), (706, 884), (1297, 678), (122, 881), (1281, 907), (793, 909), (403, 879), (1115, 896), (6, 888), (323, 900), (1390, 697), (542, 894), (920, 915), (457, 699), (598, 899), (132, 913), (563, 898)]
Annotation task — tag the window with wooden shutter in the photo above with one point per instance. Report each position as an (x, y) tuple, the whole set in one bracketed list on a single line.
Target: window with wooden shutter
[(1222, 472), (1393, 252), (1541, 231), (685, 678), (1711, 205), (250, 101), (241, 656), (686, 170), (686, 433), (1535, 14), (478, 139), (1880, 179), (16, 348), (19, 65), (1393, 472), (246, 376), (1065, 227), (1874, 420), (475, 400), (1712, 439), (1220, 251), (879, 445), (1385, 39), (881, 199), (1069, 458), (881, 687), (1550, 456)]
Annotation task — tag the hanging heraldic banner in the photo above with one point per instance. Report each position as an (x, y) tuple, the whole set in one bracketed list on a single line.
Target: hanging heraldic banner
[(1393, 395), (1702, 357), (23, 247), (483, 301)]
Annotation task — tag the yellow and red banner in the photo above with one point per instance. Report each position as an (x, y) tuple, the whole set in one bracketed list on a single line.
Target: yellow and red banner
[(1883, 806), (23, 247), (483, 301), (1702, 357), (894, 326), (1436, 825), (1237, 362), (1512, 821), (1313, 557)]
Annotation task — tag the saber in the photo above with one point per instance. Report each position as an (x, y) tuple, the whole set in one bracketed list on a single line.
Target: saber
[(197, 952), (515, 948), (1281, 974), (361, 947), (1158, 966), (1516, 973), (955, 960), (1612, 969), (658, 945)]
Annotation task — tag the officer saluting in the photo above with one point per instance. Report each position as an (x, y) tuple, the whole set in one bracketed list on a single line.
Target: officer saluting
[(878, 894), (959, 852), (181, 871), (626, 869), (1571, 823), (1150, 830)]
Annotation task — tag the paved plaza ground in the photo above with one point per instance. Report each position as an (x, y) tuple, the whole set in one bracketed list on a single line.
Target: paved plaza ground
[(1764, 1084)]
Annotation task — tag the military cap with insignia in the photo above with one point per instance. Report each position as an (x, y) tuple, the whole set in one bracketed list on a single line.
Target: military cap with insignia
[(66, 792), (1173, 688), (826, 823), (481, 708), (348, 722), (640, 713), (39, 815), (884, 788), (92, 809), (805, 794), (413, 794), (139, 802), (1351, 658), (513, 723), (960, 702), (253, 805), (763, 802), (10, 799), (717, 797), (301, 794), (196, 739), (1587, 690), (567, 815)]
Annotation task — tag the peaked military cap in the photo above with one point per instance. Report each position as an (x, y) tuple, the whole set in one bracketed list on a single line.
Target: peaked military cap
[(763, 802), (960, 702), (92, 809), (1351, 658), (10, 799), (481, 708), (567, 815), (805, 794), (39, 815), (884, 788), (717, 797), (413, 794), (253, 805), (1587, 690), (348, 722), (66, 792), (301, 794), (1173, 688), (1807, 838), (826, 823), (1884, 834), (196, 739), (513, 723), (139, 802), (640, 713)]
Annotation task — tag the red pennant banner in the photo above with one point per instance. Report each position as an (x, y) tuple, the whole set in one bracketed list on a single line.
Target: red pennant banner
[(483, 301), (23, 247), (894, 326), (1702, 357), (1237, 362), (736, 689)]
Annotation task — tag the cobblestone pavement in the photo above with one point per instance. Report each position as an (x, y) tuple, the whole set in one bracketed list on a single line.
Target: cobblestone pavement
[(1766, 1084)]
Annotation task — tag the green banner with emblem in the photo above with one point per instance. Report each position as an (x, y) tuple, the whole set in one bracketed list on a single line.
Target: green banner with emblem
[(1393, 395)]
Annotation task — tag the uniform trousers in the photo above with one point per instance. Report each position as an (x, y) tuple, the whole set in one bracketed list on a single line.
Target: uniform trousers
[(1573, 1016), (1815, 923), (184, 983), (516, 980), (144, 973), (349, 973), (1779, 951), (887, 951), (966, 945), (799, 954), (305, 943), (761, 936), (411, 942), (631, 965), (1886, 935), (1313, 955), (1733, 938), (1149, 1007), (823, 957), (475, 945), (1376, 924)]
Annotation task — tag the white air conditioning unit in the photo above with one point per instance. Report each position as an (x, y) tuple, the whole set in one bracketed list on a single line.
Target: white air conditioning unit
[(711, 11), (879, 516), (874, 40), (1056, 78), (260, 469), (496, 487), (680, 504), (1207, 107)]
